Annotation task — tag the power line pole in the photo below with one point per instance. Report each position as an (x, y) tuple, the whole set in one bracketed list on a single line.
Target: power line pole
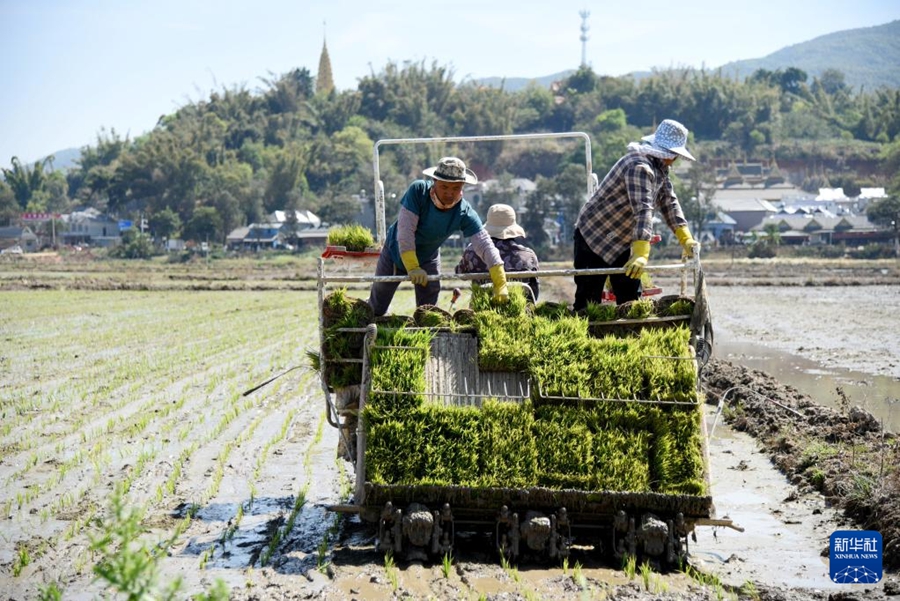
[(584, 36)]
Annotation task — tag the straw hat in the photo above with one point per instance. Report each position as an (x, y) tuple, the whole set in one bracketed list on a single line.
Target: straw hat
[(452, 169), (501, 223), (671, 136)]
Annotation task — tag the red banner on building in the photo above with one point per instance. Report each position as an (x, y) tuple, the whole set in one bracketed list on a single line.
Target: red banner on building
[(39, 216)]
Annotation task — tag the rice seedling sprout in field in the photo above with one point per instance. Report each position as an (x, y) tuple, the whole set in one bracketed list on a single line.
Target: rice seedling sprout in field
[(50, 592), (748, 589), (390, 568), (23, 558), (646, 572), (578, 576), (629, 566), (446, 564)]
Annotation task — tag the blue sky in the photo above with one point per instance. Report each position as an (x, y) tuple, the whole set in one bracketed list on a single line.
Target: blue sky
[(72, 67)]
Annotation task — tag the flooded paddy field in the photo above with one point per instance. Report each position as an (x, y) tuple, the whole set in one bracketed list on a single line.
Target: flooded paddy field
[(139, 396)]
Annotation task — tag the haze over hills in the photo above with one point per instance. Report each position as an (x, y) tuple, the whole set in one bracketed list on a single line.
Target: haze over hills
[(868, 57), (65, 159), (511, 84)]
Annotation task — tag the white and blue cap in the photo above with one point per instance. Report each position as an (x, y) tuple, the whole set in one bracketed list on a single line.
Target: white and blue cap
[(671, 136)]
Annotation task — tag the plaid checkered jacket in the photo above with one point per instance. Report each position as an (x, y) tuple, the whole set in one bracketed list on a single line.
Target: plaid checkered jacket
[(621, 210)]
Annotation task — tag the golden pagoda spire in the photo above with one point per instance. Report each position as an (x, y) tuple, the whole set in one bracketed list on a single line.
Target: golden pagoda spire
[(324, 79)]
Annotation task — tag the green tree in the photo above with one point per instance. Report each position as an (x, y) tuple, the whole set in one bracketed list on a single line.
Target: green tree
[(164, 224), (889, 159), (569, 190), (538, 206), (291, 226), (333, 112), (766, 247), (611, 134), (501, 192), (287, 176), (26, 181), (413, 97), (773, 234), (231, 189), (135, 245), (91, 181), (339, 208), (163, 171), (534, 106), (205, 224), (9, 208), (481, 110), (53, 195), (341, 161), (696, 194), (886, 213), (583, 81), (288, 92)]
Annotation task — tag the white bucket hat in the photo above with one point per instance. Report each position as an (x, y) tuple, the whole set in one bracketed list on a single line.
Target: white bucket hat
[(452, 169), (501, 223), (671, 136)]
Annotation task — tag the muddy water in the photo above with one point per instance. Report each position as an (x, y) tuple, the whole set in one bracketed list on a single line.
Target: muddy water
[(817, 339), (879, 395), (784, 533)]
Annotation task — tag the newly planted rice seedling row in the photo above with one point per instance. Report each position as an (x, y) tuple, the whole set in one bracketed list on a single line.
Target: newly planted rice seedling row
[(142, 391), (299, 499)]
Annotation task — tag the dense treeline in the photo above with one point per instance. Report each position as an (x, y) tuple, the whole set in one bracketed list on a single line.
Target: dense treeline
[(228, 160)]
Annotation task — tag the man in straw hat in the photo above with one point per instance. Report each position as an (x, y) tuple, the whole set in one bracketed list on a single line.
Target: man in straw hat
[(614, 226), (509, 238), (430, 212)]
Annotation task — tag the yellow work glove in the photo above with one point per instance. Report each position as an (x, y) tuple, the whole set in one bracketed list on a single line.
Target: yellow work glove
[(416, 274), (687, 242), (640, 254), (498, 276)]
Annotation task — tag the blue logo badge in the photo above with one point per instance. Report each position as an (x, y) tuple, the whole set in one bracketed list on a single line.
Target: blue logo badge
[(855, 556)]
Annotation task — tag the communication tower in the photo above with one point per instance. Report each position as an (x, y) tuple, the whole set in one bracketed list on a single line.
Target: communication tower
[(584, 36)]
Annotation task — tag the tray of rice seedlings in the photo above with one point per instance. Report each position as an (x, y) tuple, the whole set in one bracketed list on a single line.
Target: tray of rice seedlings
[(483, 300), (351, 240), (340, 313), (464, 317), (564, 443), (504, 343), (552, 310), (674, 305), (432, 316)]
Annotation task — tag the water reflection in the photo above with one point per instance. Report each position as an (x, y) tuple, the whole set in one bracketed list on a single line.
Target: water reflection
[(879, 395)]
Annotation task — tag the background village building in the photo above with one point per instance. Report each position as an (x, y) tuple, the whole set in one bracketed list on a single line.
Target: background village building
[(91, 227), (279, 230), (824, 228), (18, 236), (746, 213)]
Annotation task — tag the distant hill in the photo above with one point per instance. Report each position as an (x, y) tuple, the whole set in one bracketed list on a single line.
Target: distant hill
[(514, 84), (65, 159), (869, 56)]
